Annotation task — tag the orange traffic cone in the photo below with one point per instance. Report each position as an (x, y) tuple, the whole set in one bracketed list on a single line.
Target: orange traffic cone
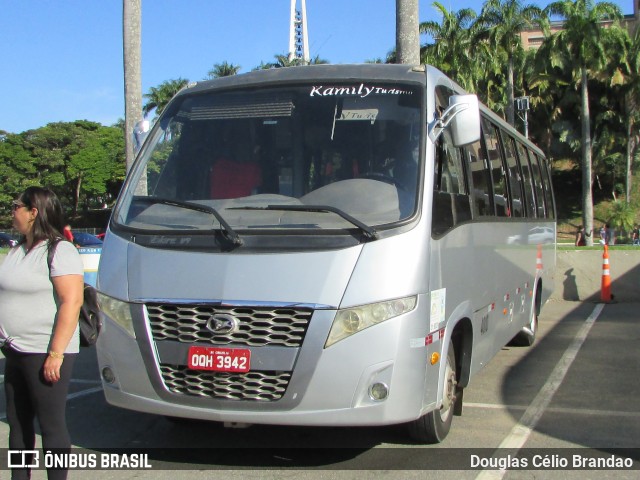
[(605, 291), (539, 258)]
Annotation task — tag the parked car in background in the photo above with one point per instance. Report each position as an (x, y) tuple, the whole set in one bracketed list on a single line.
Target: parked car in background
[(82, 239), (7, 240)]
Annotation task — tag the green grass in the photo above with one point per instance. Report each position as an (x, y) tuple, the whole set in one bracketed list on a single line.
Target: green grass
[(564, 247)]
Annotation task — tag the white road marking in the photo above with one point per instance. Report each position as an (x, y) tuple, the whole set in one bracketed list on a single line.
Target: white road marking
[(522, 430), (565, 411)]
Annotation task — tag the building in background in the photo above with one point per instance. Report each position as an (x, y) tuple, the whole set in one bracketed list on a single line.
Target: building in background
[(533, 37)]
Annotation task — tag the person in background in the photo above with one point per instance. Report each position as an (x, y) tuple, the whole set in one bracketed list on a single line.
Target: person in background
[(610, 235), (635, 235), (39, 308), (581, 240), (68, 234)]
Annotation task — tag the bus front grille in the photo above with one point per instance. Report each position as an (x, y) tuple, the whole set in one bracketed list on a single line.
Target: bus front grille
[(253, 326), (262, 386)]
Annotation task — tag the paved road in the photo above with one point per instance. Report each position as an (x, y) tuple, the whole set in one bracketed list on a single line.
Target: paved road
[(577, 388)]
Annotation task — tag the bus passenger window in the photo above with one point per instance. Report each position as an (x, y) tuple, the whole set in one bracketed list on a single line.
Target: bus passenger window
[(528, 184), (451, 202), (515, 181), (480, 180), (545, 170), (498, 175)]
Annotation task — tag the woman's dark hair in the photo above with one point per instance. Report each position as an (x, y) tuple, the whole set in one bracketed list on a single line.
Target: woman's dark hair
[(49, 222)]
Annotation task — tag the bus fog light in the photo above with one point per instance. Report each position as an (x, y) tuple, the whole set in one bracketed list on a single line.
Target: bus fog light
[(108, 375), (378, 391)]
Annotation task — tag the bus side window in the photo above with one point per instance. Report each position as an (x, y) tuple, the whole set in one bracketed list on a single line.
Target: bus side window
[(498, 175), (480, 180), (515, 179), (531, 177), (545, 170), (451, 201)]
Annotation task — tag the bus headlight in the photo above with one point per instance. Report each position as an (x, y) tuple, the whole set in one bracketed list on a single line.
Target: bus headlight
[(353, 320), (119, 312)]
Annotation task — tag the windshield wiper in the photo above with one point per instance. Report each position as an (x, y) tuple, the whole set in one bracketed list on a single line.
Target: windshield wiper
[(228, 232), (368, 231)]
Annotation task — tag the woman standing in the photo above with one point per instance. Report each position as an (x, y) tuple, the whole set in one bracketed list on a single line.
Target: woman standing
[(39, 308)]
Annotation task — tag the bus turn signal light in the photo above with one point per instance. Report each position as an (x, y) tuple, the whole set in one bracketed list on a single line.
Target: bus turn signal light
[(435, 356)]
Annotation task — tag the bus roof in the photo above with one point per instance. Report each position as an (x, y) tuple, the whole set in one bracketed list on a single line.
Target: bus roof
[(324, 72)]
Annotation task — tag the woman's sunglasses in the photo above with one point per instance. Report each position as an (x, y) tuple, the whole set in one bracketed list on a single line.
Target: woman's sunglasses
[(17, 205)]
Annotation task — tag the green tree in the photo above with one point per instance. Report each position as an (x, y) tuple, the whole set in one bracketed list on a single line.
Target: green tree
[(622, 217), (78, 160), (223, 69), (17, 171), (631, 97), (582, 39), (158, 97), (97, 164), (453, 41), (282, 61), (505, 19)]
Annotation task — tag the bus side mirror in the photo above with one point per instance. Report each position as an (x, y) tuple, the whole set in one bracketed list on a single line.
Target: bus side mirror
[(465, 124), (140, 132), (462, 117)]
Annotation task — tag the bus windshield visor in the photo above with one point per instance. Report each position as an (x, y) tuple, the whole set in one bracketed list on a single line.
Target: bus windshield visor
[(348, 152)]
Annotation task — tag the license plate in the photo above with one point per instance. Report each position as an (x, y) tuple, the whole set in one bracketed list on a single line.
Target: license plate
[(220, 359)]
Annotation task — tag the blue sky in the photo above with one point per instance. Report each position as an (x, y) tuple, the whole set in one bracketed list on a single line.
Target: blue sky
[(62, 60)]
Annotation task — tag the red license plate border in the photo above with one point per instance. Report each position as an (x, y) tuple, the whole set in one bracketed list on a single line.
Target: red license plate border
[(219, 359)]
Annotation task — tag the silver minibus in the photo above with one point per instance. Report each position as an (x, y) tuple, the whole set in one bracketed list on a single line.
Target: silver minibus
[(335, 245)]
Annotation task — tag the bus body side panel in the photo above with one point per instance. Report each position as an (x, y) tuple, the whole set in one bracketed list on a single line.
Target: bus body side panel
[(477, 262)]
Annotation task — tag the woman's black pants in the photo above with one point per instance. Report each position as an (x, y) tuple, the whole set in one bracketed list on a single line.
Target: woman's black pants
[(29, 396)]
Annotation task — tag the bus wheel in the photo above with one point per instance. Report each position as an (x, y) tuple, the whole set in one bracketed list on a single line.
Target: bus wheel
[(434, 426), (527, 335)]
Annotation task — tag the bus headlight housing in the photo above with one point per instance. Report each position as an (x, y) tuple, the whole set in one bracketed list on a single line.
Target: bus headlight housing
[(353, 320), (118, 311)]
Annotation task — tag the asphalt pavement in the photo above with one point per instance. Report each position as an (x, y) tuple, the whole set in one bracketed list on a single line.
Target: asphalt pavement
[(573, 393)]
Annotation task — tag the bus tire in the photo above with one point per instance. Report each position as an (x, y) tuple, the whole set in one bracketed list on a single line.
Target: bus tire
[(433, 427), (527, 335)]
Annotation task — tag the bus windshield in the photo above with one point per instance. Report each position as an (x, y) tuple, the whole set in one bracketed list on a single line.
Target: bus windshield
[(313, 157)]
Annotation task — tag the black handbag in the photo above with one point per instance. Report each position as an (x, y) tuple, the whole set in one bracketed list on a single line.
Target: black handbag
[(90, 321)]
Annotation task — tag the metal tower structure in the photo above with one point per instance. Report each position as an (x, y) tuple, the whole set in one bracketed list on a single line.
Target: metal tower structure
[(298, 38)]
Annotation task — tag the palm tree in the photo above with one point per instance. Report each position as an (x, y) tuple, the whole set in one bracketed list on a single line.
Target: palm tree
[(453, 44), (223, 69), (131, 21), (158, 97), (407, 34), (283, 61), (582, 39), (318, 61), (631, 104), (505, 19)]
